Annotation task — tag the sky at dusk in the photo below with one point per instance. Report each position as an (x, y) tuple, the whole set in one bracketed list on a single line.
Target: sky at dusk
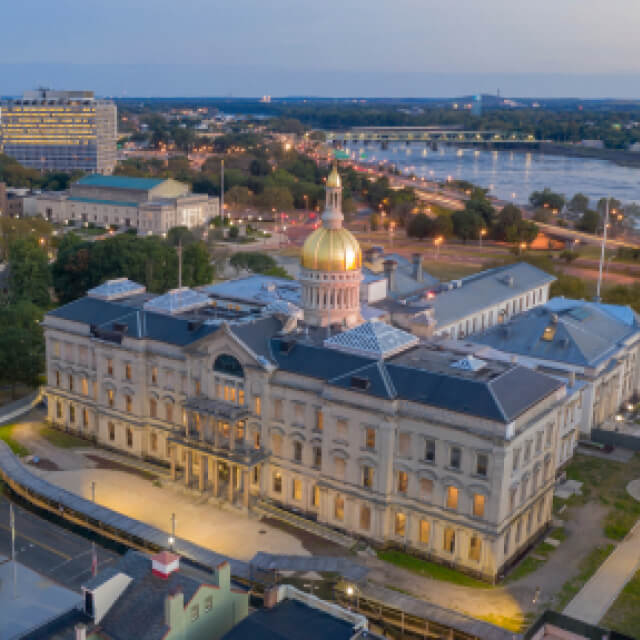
[(585, 48)]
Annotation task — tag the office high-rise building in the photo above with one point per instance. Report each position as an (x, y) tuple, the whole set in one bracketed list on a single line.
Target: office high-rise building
[(60, 131)]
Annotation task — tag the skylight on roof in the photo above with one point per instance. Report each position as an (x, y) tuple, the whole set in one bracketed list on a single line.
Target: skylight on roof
[(178, 301), (372, 339), (116, 289)]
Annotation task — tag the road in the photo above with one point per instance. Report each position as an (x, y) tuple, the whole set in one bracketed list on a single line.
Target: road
[(49, 549)]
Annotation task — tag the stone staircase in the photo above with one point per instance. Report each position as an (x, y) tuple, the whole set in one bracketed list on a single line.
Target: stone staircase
[(269, 510)]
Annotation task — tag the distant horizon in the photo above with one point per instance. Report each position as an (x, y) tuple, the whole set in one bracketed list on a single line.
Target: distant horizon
[(209, 81)]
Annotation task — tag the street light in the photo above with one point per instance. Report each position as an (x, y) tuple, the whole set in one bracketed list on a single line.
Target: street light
[(436, 243), (172, 537), (483, 232), (93, 491)]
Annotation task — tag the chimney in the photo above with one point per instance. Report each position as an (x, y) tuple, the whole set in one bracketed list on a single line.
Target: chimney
[(416, 258), (390, 267), (271, 597), (81, 631), (163, 564), (173, 608), (223, 575), (572, 378)]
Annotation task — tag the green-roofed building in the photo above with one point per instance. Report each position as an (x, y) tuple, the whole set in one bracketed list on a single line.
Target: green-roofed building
[(151, 205)]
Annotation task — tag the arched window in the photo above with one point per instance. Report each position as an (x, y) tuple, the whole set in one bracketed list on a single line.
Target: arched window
[(229, 365)]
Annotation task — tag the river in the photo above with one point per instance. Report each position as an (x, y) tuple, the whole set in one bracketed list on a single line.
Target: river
[(511, 175)]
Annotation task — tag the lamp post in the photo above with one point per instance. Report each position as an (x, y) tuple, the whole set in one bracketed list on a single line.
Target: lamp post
[(483, 232), (93, 491), (172, 537), (436, 243)]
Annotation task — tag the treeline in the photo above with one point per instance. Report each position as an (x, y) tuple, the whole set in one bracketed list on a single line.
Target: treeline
[(15, 175)]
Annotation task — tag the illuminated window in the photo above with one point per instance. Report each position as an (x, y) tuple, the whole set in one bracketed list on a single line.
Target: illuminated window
[(85, 386), (315, 496), (400, 524), (256, 440), (478, 505), (452, 497), (277, 482), (168, 411), (153, 407), (127, 371), (241, 397), (317, 457), (196, 387), (110, 396), (85, 418), (449, 540), (109, 367), (549, 333), (370, 438), (319, 420), (129, 437), (57, 378), (257, 405), (403, 481), (482, 464), (367, 477), (425, 531), (296, 489), (338, 507), (128, 400), (475, 548)]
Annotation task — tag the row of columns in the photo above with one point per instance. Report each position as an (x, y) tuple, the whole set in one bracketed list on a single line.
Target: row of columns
[(205, 425), (331, 296), (209, 465)]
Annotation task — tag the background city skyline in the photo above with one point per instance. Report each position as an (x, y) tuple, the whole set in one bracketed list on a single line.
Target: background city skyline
[(408, 48)]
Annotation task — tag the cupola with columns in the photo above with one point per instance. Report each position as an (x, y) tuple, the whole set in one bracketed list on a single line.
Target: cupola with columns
[(331, 264)]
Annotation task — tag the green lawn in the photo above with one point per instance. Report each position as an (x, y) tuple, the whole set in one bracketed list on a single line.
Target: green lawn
[(62, 439), (536, 557), (588, 567), (444, 270), (624, 614), (430, 569), (6, 435), (605, 481)]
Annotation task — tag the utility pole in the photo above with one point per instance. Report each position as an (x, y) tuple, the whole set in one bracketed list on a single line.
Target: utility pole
[(93, 491), (222, 189), (602, 250), (172, 539)]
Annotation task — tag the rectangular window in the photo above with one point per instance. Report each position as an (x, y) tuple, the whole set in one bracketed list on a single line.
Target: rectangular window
[(195, 612), (315, 496), (129, 437), (430, 450), (57, 378), (128, 401), (153, 441), (196, 387), (59, 409), (404, 444), (338, 508), (297, 451), (341, 428), (109, 367), (403, 481), (549, 433), (127, 371), (168, 411), (232, 393), (110, 396), (449, 540), (539, 442), (208, 604), (85, 418), (475, 549), (400, 526), (317, 457), (512, 498), (241, 397), (455, 459), (85, 387), (367, 477), (426, 487), (365, 517), (154, 375), (70, 383), (296, 489), (72, 414), (277, 409), (112, 431), (370, 438), (478, 505), (153, 407), (256, 440), (482, 464), (319, 420), (527, 451), (219, 390), (516, 459), (425, 531), (277, 482), (257, 405), (452, 497)]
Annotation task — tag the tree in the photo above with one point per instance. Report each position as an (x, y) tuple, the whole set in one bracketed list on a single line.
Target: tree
[(479, 204), (180, 235), (273, 197), (589, 222), (542, 215), (196, 267), (569, 287), (443, 225), (238, 197), (625, 295), (374, 221), (29, 275), (547, 198), (21, 345), (614, 205), (467, 224), (420, 226), (507, 221), (579, 203)]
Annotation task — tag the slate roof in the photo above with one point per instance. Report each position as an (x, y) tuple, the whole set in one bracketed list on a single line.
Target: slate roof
[(139, 323), (113, 203), (291, 620), (120, 182), (578, 333), (485, 289), (500, 393), (257, 288), (257, 333)]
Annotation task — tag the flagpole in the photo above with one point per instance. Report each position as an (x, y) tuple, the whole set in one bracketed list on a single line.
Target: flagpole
[(13, 547), (602, 250)]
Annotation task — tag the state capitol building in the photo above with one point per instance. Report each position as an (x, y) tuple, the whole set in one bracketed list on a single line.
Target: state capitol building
[(355, 423)]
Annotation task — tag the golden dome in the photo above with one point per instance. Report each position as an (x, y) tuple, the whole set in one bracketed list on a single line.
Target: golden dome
[(331, 250), (334, 180)]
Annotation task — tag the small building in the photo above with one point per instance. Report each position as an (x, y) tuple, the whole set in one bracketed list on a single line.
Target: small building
[(150, 205), (152, 598)]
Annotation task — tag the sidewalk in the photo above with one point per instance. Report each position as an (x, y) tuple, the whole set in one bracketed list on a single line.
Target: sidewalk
[(594, 599)]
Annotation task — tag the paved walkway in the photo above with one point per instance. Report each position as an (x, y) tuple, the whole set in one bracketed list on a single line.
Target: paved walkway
[(594, 599)]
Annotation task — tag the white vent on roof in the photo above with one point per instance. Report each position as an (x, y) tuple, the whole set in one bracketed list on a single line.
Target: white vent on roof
[(163, 564), (469, 363)]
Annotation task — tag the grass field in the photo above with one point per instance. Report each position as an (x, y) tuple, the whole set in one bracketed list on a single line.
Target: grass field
[(536, 558), (430, 569), (6, 434), (62, 439), (624, 614)]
